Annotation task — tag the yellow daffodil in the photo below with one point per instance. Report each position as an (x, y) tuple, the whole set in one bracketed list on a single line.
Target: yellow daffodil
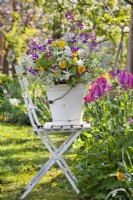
[(63, 65), (81, 69), (53, 43), (120, 176), (75, 59), (41, 68), (75, 53), (62, 44)]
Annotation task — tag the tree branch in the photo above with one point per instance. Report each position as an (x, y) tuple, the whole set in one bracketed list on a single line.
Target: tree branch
[(109, 10), (119, 49), (129, 2), (104, 40), (112, 14)]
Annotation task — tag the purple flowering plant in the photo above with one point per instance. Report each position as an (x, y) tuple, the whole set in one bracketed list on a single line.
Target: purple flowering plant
[(68, 60)]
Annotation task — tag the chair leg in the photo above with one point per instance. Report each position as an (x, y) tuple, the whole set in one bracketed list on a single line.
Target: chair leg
[(43, 171), (40, 171), (55, 158), (61, 158)]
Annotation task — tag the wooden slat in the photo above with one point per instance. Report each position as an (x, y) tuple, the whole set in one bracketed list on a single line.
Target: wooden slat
[(49, 126)]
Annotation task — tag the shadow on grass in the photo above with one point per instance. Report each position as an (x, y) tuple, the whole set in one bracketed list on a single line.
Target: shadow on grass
[(22, 157), (58, 188)]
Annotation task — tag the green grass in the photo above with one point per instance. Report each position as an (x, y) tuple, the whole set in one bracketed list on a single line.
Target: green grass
[(22, 154)]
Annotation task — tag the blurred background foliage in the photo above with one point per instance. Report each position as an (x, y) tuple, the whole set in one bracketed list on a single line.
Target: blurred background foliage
[(27, 20)]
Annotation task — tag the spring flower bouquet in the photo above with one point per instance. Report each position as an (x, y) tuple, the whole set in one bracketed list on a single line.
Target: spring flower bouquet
[(68, 60)]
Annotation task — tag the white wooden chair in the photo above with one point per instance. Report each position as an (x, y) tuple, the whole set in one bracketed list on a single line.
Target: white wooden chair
[(42, 131)]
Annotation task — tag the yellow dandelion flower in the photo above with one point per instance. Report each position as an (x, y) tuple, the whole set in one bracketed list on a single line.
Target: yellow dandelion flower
[(15, 14), (41, 68), (95, 55), (53, 43), (0, 82), (81, 69), (61, 44), (75, 59), (63, 65), (56, 73), (120, 176), (107, 75), (75, 53), (53, 184)]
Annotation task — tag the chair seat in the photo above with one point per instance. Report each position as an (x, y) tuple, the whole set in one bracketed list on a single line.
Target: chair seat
[(64, 128)]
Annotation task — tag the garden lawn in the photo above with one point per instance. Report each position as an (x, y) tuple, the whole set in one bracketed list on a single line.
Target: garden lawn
[(22, 154)]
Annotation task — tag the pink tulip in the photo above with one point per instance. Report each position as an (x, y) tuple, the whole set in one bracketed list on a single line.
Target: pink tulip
[(98, 91), (108, 88), (89, 97), (130, 120), (102, 82), (130, 80), (123, 78)]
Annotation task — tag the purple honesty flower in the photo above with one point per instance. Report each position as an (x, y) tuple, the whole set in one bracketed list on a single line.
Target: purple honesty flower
[(74, 40), (28, 52), (53, 67), (123, 78), (50, 41), (34, 46), (69, 16), (33, 71), (93, 45), (91, 35), (42, 48), (81, 26), (114, 74), (84, 41), (35, 56), (74, 49), (94, 38), (81, 34), (90, 69)]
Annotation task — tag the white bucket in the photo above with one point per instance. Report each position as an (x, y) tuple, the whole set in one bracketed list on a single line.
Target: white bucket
[(68, 109)]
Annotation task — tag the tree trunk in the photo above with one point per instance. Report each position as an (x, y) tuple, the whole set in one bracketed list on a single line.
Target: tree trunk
[(129, 64), (1, 50)]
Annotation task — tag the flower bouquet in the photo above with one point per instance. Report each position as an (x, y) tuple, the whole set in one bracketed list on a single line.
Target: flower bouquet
[(65, 63), (68, 60)]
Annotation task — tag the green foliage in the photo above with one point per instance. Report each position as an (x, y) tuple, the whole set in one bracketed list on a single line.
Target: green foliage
[(12, 107), (44, 19), (99, 151), (126, 167)]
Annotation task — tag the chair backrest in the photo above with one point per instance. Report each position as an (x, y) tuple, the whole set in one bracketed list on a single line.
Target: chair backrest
[(26, 95)]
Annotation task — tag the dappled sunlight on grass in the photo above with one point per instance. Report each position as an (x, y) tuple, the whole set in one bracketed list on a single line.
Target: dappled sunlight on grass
[(22, 155)]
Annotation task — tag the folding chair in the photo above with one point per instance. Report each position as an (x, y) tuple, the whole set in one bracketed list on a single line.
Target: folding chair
[(42, 131)]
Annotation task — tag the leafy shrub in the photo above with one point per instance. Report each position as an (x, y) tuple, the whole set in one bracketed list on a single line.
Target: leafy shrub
[(12, 106), (98, 152)]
